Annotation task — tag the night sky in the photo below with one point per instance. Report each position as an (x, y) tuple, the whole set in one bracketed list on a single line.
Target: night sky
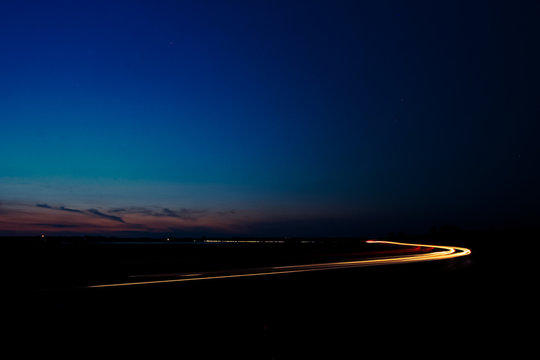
[(268, 118)]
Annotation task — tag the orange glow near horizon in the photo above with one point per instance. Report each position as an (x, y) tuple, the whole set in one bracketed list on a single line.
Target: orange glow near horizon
[(27, 219)]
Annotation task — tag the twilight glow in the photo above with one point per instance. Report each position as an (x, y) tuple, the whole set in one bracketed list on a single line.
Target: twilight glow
[(304, 118)]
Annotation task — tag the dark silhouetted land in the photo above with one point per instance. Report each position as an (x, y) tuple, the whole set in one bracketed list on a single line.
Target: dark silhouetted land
[(477, 303)]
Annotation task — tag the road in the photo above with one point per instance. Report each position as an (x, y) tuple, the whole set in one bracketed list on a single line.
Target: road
[(424, 253)]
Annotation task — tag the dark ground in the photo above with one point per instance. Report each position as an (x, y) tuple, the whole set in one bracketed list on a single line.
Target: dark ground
[(477, 305)]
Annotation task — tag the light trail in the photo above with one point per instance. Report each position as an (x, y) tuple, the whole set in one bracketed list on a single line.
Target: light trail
[(437, 252)]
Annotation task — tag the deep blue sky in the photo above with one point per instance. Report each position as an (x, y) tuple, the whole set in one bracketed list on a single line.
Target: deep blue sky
[(267, 117)]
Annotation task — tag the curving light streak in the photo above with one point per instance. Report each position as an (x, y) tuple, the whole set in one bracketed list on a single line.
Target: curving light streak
[(439, 252)]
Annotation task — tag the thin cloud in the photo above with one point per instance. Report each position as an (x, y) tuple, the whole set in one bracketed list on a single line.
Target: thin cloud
[(106, 216), (183, 213), (186, 214), (120, 210), (115, 214), (70, 210), (61, 208), (170, 213), (44, 206)]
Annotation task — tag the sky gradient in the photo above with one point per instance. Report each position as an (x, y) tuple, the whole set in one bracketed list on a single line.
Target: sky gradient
[(276, 118)]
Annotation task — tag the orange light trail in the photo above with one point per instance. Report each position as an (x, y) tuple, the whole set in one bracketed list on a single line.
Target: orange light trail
[(438, 252)]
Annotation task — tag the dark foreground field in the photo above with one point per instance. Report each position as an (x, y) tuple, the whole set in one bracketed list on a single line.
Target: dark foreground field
[(476, 305)]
